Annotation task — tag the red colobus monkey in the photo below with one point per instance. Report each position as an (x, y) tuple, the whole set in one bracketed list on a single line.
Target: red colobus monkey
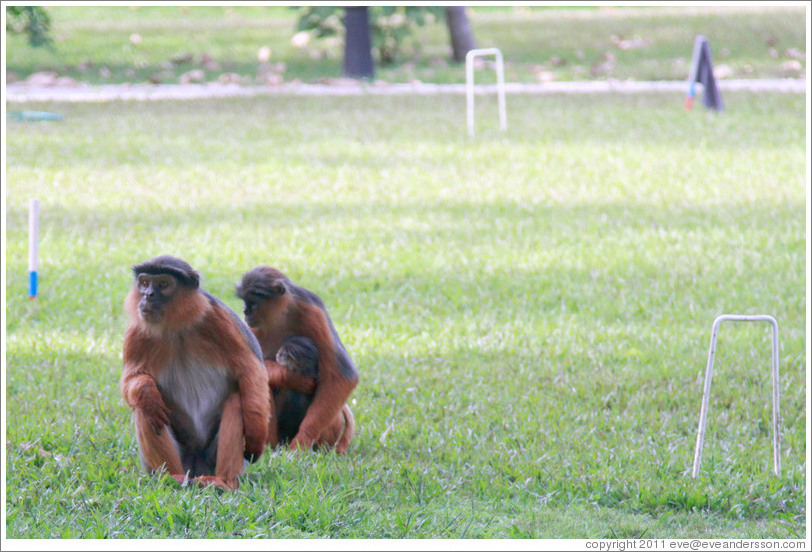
[(277, 309), (194, 378)]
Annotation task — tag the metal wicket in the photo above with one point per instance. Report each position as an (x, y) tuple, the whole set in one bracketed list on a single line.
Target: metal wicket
[(703, 414)]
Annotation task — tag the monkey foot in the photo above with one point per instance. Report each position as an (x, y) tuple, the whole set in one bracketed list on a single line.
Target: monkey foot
[(205, 481), (181, 478), (219, 482)]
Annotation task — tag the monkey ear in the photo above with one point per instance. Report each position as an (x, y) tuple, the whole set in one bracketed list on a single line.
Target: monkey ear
[(193, 278), (278, 289), (189, 278)]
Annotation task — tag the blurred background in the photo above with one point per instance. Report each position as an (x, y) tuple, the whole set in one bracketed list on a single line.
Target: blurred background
[(273, 45)]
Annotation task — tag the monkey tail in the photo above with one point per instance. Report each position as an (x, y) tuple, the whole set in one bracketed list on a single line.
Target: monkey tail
[(349, 430)]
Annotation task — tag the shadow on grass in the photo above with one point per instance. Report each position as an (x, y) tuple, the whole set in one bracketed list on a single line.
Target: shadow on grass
[(564, 220)]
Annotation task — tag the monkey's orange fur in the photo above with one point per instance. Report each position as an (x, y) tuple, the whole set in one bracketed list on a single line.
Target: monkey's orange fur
[(193, 376), (298, 312)]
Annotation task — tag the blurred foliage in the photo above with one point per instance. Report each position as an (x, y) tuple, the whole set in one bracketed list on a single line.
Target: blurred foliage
[(159, 44), (31, 20), (390, 26)]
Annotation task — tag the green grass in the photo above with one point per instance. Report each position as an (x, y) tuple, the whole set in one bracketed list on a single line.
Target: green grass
[(93, 44), (530, 311)]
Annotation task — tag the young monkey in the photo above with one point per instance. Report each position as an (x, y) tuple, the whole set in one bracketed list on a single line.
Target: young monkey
[(300, 355)]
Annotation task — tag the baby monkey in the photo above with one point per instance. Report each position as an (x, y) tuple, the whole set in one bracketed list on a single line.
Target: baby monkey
[(300, 355)]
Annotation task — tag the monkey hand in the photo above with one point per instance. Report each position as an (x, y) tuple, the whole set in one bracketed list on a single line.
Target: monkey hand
[(301, 383), (281, 377), (254, 446), (155, 412), (302, 442)]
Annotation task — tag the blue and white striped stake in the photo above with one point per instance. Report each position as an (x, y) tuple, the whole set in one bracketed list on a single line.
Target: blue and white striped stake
[(33, 246), (689, 99), (694, 74)]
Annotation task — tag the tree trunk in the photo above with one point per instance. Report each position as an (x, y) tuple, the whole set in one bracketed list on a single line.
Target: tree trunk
[(462, 37), (357, 44)]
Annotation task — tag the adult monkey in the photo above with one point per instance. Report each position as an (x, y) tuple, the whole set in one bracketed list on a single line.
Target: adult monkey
[(276, 309), (194, 378)]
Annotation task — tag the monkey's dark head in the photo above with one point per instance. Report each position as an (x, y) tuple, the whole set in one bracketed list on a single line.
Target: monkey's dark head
[(300, 355), (260, 288), (159, 281)]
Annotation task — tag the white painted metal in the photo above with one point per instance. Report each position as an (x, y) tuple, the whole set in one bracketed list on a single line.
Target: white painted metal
[(703, 414), (33, 234), (500, 84)]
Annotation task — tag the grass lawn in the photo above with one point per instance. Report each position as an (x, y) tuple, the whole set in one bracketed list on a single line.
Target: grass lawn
[(530, 311), (148, 43)]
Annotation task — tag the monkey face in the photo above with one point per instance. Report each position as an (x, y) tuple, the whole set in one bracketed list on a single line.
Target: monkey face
[(156, 291), (261, 290), (251, 308), (283, 357), (256, 306), (300, 355)]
